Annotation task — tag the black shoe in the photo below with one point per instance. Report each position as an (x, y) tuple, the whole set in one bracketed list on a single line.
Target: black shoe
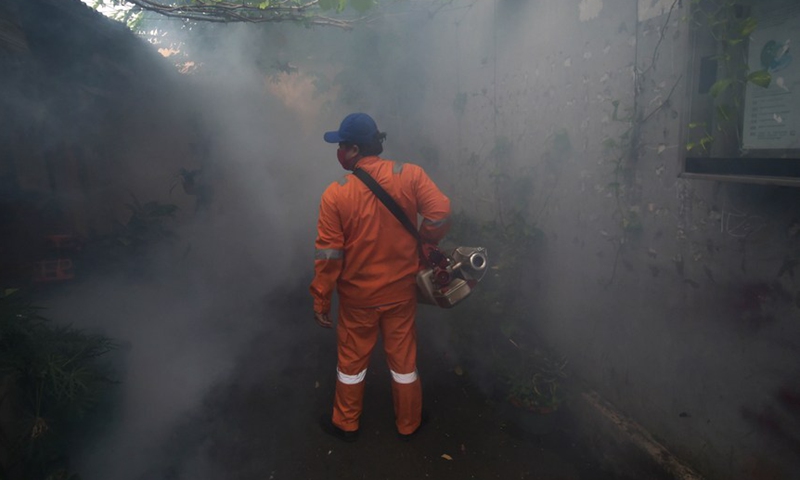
[(328, 427), (423, 421)]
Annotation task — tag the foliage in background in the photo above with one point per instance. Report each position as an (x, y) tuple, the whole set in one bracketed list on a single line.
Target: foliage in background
[(619, 150), (538, 384), (730, 24), (495, 336), (196, 184), (303, 12), (53, 378), (133, 241), (146, 224), (122, 12)]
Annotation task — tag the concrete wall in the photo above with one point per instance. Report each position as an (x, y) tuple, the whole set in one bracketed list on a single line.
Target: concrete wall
[(671, 297), (91, 116)]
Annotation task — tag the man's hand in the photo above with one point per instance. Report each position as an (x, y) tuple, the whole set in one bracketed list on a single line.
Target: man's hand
[(323, 320), (433, 256)]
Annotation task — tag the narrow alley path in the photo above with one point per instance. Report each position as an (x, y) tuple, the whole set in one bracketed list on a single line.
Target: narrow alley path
[(262, 423)]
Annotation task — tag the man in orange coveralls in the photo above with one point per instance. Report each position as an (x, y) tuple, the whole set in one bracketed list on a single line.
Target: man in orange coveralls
[(364, 251)]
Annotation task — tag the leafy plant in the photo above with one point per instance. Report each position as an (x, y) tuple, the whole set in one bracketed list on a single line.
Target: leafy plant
[(56, 379), (484, 336), (705, 140), (618, 150), (537, 385), (246, 11), (131, 241), (730, 24), (193, 183), (147, 223)]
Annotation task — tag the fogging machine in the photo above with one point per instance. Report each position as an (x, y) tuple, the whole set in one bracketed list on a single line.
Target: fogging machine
[(448, 279)]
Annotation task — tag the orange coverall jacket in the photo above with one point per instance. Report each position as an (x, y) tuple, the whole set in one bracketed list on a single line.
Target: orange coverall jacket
[(361, 248)]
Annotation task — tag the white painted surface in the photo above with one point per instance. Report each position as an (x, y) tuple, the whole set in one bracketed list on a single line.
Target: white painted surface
[(589, 9), (652, 8)]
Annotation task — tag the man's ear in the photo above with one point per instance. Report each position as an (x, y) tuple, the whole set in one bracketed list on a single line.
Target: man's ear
[(357, 150)]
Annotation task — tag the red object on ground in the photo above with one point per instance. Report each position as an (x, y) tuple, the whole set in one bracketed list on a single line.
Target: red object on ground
[(56, 269)]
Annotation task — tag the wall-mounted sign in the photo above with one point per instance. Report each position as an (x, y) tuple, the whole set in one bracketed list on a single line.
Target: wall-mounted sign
[(772, 114)]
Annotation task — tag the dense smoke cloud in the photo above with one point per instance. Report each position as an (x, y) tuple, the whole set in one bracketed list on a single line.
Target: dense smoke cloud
[(255, 131), (204, 295)]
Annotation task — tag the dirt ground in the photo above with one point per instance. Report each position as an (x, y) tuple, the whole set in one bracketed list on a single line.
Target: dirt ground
[(259, 426)]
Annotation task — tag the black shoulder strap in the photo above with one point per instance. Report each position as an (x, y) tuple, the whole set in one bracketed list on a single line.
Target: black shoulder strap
[(387, 200)]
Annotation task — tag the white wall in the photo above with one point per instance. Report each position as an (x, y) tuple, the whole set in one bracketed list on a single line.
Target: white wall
[(686, 325)]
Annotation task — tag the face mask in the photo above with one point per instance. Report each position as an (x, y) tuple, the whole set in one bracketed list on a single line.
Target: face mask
[(347, 164)]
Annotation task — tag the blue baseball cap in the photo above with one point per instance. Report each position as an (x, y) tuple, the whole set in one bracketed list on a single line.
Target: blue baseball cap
[(357, 128)]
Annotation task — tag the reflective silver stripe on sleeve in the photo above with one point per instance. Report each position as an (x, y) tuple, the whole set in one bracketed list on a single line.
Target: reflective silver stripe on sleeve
[(328, 254), (397, 168), (404, 378), (351, 379), (436, 223)]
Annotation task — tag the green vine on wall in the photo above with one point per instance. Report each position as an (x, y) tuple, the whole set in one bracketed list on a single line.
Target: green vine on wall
[(619, 150), (622, 149), (730, 24), (494, 338)]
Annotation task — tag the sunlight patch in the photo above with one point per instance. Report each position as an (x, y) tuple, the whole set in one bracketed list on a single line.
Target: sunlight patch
[(298, 93)]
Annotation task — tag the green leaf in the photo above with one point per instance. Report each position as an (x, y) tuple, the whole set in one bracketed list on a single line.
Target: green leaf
[(762, 78), (265, 4), (720, 86), (723, 57), (748, 26), (724, 112), (362, 5)]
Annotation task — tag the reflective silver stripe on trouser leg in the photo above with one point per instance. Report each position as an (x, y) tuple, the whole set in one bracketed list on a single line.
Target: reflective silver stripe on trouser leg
[(328, 254), (351, 379), (404, 378)]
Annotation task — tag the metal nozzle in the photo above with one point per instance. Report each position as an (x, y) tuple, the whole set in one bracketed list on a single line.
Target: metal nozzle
[(477, 261)]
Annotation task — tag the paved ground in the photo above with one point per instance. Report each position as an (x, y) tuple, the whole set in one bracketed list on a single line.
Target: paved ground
[(260, 426)]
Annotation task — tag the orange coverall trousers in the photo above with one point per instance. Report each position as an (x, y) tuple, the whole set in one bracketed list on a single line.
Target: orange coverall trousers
[(357, 333)]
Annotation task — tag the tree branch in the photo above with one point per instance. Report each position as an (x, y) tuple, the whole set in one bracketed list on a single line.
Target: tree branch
[(665, 102), (660, 38), (243, 12)]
